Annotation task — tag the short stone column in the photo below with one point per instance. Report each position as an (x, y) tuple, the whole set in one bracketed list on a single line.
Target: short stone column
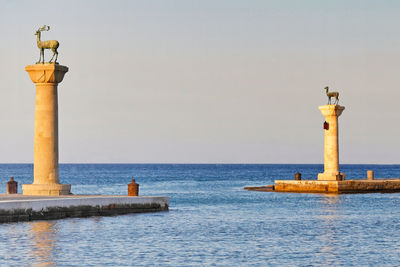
[(45, 161), (370, 175), (331, 147)]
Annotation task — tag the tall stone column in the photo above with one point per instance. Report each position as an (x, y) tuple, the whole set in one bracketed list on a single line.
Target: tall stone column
[(45, 163), (331, 148)]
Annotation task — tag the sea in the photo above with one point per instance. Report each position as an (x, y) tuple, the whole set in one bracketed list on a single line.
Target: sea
[(212, 220)]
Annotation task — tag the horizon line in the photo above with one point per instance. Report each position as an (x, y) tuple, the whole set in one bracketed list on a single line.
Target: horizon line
[(196, 163)]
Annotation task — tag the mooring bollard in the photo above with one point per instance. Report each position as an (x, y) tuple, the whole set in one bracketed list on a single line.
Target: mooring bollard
[(133, 189), (12, 186), (370, 175), (340, 177), (297, 176)]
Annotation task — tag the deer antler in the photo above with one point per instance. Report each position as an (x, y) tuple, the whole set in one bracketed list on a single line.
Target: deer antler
[(44, 28)]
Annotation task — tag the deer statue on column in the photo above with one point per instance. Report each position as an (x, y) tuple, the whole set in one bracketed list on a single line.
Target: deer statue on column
[(51, 44), (332, 94)]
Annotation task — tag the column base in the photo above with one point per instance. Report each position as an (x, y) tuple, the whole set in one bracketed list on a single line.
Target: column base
[(46, 189), (331, 176)]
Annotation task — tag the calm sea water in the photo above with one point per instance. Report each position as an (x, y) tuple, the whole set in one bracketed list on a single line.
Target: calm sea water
[(212, 220)]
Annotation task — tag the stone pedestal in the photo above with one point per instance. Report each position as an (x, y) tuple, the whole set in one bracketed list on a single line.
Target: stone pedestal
[(45, 178), (331, 149)]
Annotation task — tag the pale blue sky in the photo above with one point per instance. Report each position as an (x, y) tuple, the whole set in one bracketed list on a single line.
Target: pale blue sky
[(206, 81)]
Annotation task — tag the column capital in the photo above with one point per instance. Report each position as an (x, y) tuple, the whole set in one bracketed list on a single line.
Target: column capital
[(46, 73), (331, 110)]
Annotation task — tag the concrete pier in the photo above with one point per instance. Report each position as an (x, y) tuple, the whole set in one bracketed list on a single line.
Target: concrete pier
[(331, 146), (19, 207), (45, 171), (338, 187)]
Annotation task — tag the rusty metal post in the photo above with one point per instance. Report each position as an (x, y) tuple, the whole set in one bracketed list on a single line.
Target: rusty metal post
[(12, 186), (133, 189), (370, 175), (297, 176)]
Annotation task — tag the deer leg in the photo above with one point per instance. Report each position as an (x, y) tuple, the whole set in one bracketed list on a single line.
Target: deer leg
[(42, 52), (52, 56), (40, 56), (55, 60)]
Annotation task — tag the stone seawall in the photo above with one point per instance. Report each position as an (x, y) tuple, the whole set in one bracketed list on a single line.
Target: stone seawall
[(338, 187), (14, 208)]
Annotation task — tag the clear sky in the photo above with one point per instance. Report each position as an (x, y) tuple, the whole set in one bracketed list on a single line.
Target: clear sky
[(205, 81)]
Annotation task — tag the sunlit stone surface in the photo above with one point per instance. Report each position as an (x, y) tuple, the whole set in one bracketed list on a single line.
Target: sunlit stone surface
[(331, 148), (46, 175)]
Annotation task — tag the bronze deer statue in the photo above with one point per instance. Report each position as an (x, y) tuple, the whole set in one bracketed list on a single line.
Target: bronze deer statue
[(332, 94), (51, 44)]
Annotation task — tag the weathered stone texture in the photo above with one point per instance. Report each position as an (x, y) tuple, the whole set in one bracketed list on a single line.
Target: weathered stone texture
[(331, 146), (28, 209), (338, 187), (45, 171)]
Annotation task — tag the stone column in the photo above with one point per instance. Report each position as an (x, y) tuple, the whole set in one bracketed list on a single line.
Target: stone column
[(331, 149), (45, 161)]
